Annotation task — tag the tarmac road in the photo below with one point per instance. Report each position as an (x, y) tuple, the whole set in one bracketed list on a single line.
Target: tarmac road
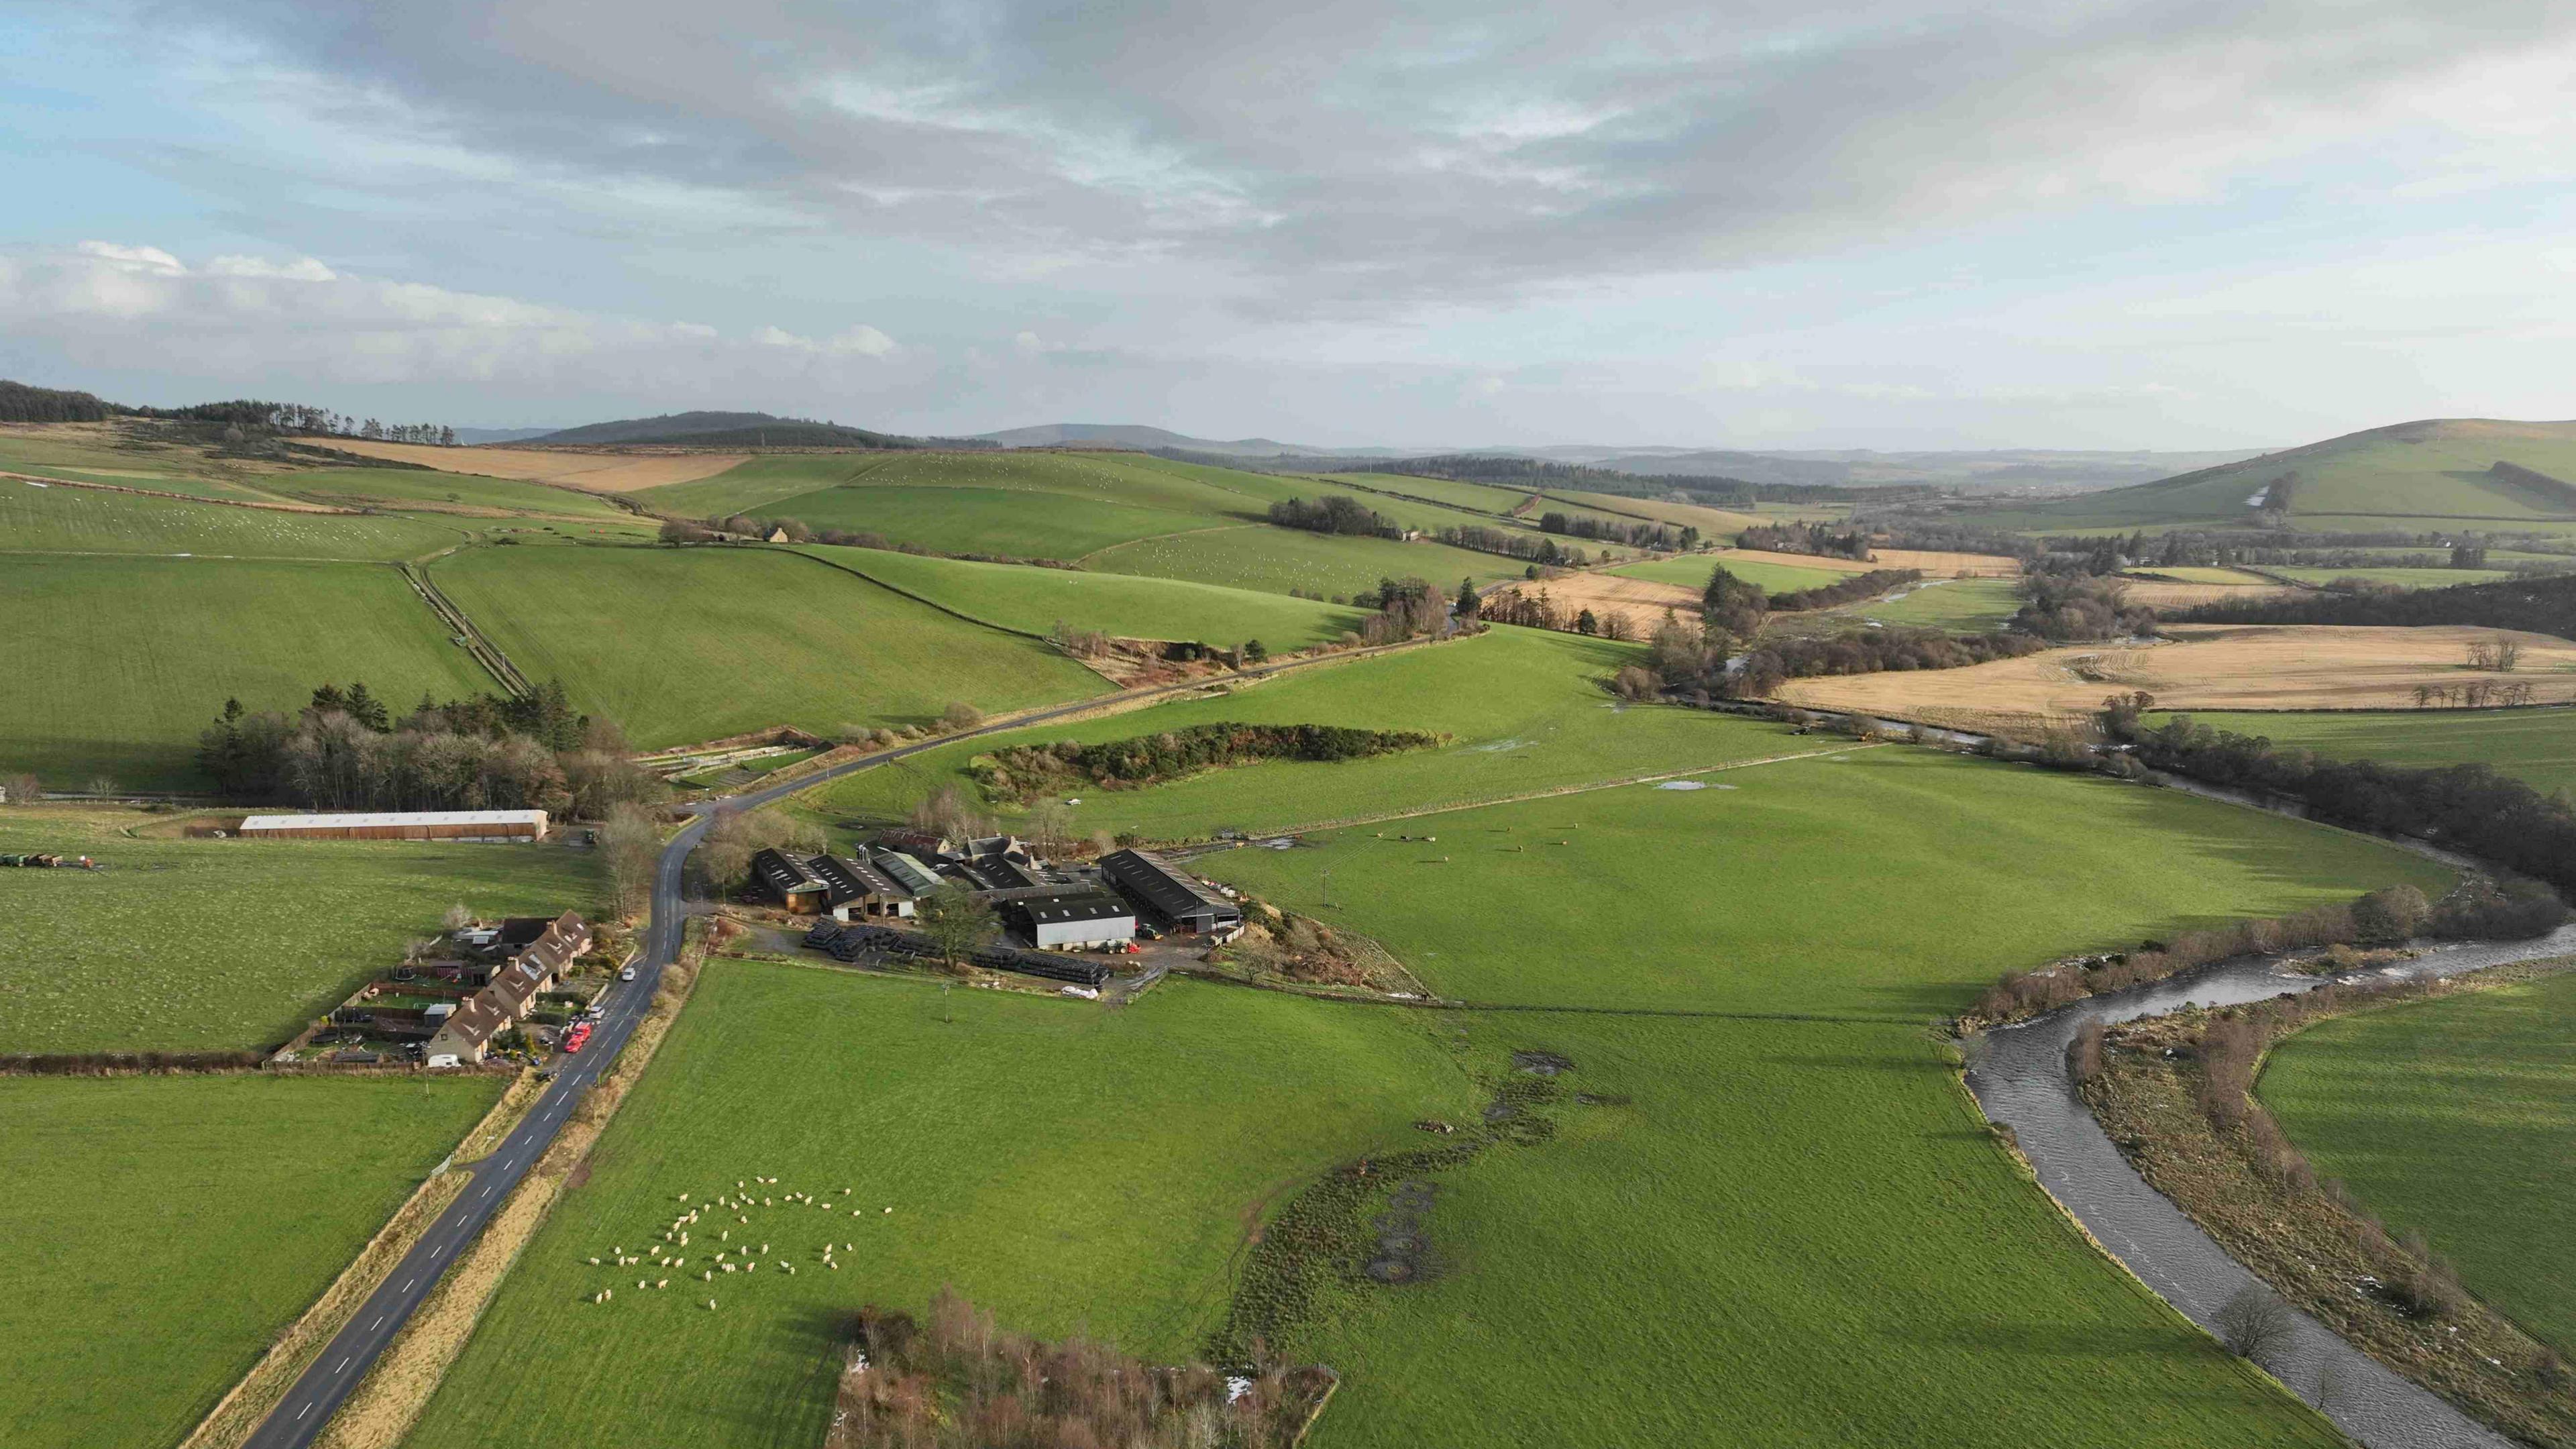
[(318, 1394)]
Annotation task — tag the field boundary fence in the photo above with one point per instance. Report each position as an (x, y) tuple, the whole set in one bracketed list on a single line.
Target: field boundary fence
[(485, 652)]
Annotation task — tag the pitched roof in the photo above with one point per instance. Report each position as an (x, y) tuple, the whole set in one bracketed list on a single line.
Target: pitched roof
[(1166, 887), (849, 880), (1069, 910), (907, 872), (782, 873), (400, 817)]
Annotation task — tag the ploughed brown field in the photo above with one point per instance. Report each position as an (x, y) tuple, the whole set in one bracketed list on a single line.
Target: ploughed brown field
[(623, 472), (1939, 564), (1642, 601), (2207, 666), (2173, 594)]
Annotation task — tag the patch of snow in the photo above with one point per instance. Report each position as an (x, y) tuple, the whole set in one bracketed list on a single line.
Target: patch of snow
[(1683, 785)]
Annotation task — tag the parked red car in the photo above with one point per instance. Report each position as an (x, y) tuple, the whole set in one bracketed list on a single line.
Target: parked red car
[(573, 1039)]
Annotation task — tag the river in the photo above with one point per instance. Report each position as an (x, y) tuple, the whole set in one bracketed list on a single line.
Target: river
[(2020, 1078)]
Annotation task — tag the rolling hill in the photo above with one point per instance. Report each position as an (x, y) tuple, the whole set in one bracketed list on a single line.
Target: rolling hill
[(725, 430), (2478, 474)]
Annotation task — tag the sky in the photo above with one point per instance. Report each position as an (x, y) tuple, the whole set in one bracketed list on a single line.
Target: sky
[(2172, 224)]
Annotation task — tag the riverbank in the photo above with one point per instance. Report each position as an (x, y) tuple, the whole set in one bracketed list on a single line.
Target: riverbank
[(2171, 1092), (2020, 1078)]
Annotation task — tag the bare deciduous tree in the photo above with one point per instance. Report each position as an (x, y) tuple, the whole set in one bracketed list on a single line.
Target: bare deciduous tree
[(2254, 1324)]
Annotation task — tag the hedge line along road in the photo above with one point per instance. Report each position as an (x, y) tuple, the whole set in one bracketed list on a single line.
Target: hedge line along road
[(299, 1417)]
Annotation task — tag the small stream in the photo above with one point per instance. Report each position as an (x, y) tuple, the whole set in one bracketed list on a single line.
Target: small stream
[(2020, 1078)]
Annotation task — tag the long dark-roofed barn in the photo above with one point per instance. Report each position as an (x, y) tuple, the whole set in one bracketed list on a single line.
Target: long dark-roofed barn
[(1170, 895)]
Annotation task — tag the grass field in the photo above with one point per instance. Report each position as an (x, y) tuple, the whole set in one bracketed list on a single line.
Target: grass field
[(1276, 560), (1132, 607), (2435, 473), (2209, 666), (1526, 710), (176, 1224), (1972, 606), (1691, 571), (2534, 745), (1713, 523), (134, 455), (1475, 497), (2457, 1117), (1700, 1255), (683, 645), (1142, 1147), (1020, 522), (227, 945), (115, 665), (1886, 885), (1785, 1234), (87, 520)]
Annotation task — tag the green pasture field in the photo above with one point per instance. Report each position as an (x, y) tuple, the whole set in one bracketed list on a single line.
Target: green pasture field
[(2402, 578), (131, 456), (1713, 523), (1037, 599), (1068, 1167), (763, 486), (116, 664), (2455, 1116), (1430, 517), (1886, 885), (2537, 746), (751, 485), (2190, 575), (230, 945), (414, 487), (86, 520), (1764, 1234), (1475, 497), (1525, 707), (679, 645), (2444, 523), (1691, 571), (1970, 606), (1277, 560), (1023, 523), (175, 1225)]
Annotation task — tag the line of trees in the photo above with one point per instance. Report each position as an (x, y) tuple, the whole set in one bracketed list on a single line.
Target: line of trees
[(2532, 605), (21, 403), (1334, 513), (345, 750), (1816, 538), (1024, 772), (2070, 608), (2467, 807), (1844, 591), (1664, 537), (1512, 543)]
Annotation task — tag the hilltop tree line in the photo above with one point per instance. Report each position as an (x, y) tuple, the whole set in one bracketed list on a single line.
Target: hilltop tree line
[(21, 403), (1715, 490), (346, 750), (1335, 513)]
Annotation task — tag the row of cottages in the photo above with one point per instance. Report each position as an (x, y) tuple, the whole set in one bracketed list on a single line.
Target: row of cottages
[(511, 990), (1170, 895), (496, 826)]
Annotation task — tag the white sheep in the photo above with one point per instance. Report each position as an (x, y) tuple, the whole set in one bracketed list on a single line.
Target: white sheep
[(889, 1209), (711, 1305), (790, 1267), (594, 1262), (643, 1282), (747, 1267), (764, 1247), (662, 1283), (709, 1275), (729, 1267), (724, 1235)]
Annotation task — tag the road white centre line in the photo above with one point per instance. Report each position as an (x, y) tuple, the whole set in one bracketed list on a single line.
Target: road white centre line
[(300, 1413), (344, 1366)]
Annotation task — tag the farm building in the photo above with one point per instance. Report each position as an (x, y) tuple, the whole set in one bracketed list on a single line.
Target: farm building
[(925, 844), (467, 1032), (1169, 894), (477, 825), (907, 872), (1051, 922), (809, 885)]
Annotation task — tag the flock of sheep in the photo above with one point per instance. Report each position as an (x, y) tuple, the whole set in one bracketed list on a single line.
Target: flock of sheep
[(732, 1257)]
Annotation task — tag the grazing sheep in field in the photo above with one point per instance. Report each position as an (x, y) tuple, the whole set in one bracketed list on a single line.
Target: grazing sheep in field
[(662, 1283), (643, 1282), (764, 1247), (594, 1262), (724, 1235), (889, 1209), (845, 1192), (747, 1267), (709, 1275), (711, 1305), (729, 1268), (790, 1267)]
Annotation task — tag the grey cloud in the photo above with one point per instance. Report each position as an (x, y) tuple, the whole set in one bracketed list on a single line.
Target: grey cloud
[(1317, 159)]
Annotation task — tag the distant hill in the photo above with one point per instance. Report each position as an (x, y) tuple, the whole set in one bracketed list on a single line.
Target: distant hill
[(472, 436), (1145, 440), (725, 430), (2431, 475)]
